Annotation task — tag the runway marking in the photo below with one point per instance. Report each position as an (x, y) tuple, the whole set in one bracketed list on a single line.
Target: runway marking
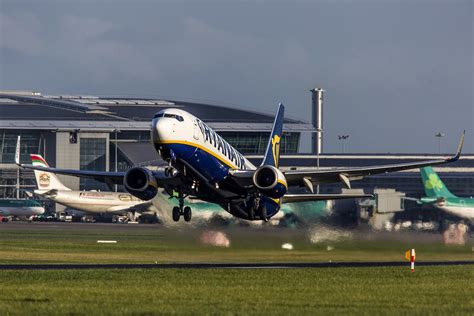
[(292, 265)]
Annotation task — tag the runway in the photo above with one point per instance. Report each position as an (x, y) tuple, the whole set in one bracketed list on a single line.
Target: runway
[(292, 265)]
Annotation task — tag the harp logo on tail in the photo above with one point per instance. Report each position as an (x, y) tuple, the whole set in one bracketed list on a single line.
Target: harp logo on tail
[(276, 149)]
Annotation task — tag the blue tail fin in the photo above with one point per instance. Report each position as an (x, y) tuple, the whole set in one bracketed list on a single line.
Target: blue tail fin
[(272, 154)]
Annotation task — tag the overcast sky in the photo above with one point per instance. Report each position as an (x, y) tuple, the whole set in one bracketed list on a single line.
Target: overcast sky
[(395, 72)]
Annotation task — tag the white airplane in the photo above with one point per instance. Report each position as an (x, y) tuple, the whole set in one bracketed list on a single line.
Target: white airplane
[(92, 202), (203, 165), (20, 208)]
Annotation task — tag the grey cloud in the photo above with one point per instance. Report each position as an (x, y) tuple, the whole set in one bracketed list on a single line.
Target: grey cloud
[(394, 72), (21, 33)]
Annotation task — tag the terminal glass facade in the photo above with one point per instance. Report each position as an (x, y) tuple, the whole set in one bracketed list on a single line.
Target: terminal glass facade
[(247, 143), (92, 157), (31, 142), (12, 179), (139, 136), (256, 142)]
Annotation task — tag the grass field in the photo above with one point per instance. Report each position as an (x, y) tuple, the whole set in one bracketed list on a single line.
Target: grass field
[(433, 290), (382, 290)]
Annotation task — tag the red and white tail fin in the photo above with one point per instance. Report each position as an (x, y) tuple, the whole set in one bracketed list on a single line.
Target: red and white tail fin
[(46, 180)]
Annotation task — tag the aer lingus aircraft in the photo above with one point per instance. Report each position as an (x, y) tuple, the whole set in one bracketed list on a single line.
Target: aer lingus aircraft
[(203, 165), (439, 197), (20, 207)]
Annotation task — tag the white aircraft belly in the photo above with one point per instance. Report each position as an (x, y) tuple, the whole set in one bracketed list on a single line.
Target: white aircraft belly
[(463, 212), (21, 211), (109, 203)]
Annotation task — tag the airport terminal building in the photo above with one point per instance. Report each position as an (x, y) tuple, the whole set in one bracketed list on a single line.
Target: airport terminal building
[(108, 134), (113, 133)]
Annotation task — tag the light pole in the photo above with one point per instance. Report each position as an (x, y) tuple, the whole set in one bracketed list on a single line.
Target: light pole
[(116, 154), (343, 139), (439, 136)]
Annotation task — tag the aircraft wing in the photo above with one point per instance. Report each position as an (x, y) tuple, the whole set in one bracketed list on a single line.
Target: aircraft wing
[(293, 198), (101, 176), (140, 208), (346, 175), (110, 178)]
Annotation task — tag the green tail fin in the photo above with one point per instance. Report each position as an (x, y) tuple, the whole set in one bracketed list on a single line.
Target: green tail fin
[(433, 185)]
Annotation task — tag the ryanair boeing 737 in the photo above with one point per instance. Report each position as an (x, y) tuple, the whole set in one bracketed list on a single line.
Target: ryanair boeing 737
[(202, 165)]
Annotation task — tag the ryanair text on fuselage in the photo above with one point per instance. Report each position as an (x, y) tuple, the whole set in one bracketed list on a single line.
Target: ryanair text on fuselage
[(221, 145)]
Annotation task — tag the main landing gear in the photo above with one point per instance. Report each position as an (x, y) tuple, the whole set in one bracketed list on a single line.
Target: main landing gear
[(182, 210), (260, 208)]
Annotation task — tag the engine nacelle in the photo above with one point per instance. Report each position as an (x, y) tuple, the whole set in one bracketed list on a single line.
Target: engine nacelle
[(270, 181), (141, 183)]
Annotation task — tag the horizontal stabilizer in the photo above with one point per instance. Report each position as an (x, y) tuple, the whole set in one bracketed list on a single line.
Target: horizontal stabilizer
[(294, 198)]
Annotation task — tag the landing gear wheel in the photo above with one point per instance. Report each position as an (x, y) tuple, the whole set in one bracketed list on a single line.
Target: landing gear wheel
[(176, 213), (187, 213)]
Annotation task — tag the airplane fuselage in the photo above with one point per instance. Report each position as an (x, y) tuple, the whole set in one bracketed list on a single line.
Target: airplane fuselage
[(12, 207), (460, 207), (91, 201), (192, 147)]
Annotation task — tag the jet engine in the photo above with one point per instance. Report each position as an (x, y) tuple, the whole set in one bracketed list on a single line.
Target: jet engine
[(140, 182), (270, 181)]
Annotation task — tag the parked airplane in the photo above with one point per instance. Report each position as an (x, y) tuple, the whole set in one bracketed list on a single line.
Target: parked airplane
[(203, 165), (20, 207), (439, 197), (94, 202)]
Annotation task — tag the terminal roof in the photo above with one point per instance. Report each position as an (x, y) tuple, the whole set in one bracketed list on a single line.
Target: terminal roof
[(90, 112)]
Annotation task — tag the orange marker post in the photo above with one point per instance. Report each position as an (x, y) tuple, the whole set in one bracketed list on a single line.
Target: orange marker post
[(410, 255)]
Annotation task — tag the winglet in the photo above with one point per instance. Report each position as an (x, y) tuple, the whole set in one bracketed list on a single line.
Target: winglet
[(272, 153), (17, 152), (458, 153)]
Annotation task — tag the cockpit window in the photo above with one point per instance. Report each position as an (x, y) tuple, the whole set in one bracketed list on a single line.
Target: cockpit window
[(178, 117), (175, 116)]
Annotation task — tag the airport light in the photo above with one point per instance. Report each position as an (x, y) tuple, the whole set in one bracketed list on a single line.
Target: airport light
[(116, 153), (343, 138), (439, 136)]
